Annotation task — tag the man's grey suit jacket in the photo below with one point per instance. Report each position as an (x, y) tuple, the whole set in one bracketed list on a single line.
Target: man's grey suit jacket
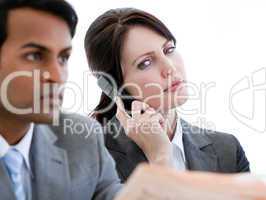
[(67, 163)]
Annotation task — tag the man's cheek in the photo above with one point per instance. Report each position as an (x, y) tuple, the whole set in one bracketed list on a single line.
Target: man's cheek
[(22, 87)]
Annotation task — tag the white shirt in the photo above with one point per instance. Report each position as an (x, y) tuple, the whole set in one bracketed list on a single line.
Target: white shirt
[(23, 146), (178, 141)]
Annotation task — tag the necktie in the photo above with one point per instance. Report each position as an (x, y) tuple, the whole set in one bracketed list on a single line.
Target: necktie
[(14, 163), (178, 158)]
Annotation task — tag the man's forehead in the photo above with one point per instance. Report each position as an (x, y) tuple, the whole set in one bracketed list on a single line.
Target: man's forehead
[(28, 24)]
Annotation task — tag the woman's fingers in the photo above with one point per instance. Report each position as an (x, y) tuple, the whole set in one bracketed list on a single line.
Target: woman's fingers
[(138, 108), (159, 117), (148, 121), (121, 113)]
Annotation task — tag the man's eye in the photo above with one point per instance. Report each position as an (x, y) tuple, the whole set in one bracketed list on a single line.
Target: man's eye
[(146, 63), (64, 59), (170, 50), (34, 56)]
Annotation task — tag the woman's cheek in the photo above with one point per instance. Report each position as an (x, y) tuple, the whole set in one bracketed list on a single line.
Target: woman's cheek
[(153, 96)]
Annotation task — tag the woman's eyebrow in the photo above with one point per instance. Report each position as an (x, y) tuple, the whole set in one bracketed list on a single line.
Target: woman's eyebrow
[(145, 54), (149, 53), (165, 43)]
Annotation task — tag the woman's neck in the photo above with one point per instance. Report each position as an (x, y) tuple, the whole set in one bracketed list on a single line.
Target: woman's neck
[(170, 118)]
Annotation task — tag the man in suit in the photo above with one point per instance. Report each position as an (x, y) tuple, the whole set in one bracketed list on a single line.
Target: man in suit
[(66, 160), (39, 161)]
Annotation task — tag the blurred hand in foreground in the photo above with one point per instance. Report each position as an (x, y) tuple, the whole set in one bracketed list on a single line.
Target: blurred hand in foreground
[(150, 182)]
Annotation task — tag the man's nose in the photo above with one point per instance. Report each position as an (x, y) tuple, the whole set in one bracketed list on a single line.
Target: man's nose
[(56, 73)]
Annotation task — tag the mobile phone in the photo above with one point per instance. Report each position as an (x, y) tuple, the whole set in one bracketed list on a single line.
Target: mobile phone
[(112, 93), (107, 87)]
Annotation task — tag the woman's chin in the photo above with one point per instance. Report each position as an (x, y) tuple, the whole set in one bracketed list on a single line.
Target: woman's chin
[(167, 105), (174, 104)]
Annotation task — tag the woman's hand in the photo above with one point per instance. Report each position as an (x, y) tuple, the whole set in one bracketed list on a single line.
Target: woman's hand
[(147, 129)]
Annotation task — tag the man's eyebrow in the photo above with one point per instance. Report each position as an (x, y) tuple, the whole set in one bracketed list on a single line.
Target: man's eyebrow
[(34, 45), (149, 53), (67, 49), (42, 47)]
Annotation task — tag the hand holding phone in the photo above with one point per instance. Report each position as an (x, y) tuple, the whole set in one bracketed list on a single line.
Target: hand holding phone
[(146, 128), (143, 125)]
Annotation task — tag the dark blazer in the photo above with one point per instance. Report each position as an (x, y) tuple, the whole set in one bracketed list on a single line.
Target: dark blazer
[(205, 150)]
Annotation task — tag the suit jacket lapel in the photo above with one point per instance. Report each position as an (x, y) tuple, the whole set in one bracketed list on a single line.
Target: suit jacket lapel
[(6, 189), (135, 154), (50, 166), (123, 144), (197, 145)]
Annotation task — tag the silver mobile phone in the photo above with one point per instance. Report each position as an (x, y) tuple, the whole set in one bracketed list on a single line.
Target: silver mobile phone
[(112, 93)]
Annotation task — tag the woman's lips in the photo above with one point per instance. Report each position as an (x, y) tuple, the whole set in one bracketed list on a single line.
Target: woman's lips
[(174, 86)]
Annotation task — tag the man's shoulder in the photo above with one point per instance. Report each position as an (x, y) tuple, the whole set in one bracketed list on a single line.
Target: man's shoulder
[(74, 131)]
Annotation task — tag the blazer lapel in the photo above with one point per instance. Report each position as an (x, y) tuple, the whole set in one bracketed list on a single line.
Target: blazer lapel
[(124, 145), (198, 149), (51, 178), (6, 189)]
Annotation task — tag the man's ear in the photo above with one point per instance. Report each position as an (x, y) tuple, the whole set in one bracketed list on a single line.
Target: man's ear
[(0, 57)]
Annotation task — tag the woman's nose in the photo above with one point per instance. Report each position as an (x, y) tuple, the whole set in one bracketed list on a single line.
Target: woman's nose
[(168, 68)]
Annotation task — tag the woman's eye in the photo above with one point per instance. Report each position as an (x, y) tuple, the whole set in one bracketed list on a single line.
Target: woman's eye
[(33, 56), (146, 63), (170, 50)]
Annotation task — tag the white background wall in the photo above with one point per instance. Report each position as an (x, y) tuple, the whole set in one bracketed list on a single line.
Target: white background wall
[(222, 42)]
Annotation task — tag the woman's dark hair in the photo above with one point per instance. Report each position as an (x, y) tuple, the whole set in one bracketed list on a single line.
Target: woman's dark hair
[(59, 8), (103, 43)]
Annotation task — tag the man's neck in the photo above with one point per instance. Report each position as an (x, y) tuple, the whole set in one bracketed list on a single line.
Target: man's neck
[(12, 129)]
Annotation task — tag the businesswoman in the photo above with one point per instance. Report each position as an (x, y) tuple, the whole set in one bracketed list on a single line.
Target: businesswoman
[(139, 53)]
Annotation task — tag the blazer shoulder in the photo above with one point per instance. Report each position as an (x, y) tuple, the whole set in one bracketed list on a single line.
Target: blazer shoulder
[(229, 150), (226, 147), (77, 132), (209, 136), (223, 139)]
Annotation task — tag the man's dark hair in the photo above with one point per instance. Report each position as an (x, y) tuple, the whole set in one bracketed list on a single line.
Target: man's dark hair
[(59, 8)]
